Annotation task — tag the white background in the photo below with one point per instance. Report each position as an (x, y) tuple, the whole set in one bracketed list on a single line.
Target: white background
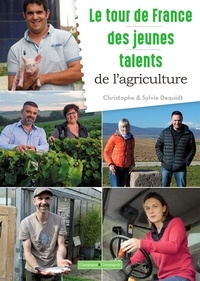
[(179, 59)]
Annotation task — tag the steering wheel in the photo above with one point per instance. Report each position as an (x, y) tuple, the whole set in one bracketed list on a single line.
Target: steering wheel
[(138, 270)]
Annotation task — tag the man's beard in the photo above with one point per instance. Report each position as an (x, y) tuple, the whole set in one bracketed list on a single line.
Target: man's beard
[(47, 206), (28, 121)]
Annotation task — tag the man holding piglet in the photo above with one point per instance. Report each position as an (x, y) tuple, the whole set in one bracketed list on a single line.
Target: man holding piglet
[(60, 64)]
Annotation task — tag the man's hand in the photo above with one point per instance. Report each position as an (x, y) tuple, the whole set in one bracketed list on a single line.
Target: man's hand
[(30, 147), (64, 262), (23, 148), (30, 80)]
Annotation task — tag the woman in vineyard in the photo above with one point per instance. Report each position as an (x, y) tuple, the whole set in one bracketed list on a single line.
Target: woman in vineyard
[(71, 128), (119, 155)]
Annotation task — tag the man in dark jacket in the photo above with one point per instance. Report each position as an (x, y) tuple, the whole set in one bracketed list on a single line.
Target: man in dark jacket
[(175, 149)]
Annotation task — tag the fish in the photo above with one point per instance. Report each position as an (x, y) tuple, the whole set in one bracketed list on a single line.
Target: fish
[(55, 269)]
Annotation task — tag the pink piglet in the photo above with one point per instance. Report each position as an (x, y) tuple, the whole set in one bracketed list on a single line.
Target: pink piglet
[(30, 66)]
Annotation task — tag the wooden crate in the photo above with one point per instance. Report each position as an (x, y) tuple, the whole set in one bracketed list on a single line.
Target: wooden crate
[(7, 242)]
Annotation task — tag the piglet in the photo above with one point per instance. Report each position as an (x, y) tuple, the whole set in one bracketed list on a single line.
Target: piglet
[(29, 66)]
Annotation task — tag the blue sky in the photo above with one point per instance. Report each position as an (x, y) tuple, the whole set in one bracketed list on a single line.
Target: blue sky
[(156, 116)]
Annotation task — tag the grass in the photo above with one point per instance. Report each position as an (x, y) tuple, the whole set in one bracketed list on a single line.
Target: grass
[(145, 149), (193, 175), (3, 70), (95, 118), (76, 278)]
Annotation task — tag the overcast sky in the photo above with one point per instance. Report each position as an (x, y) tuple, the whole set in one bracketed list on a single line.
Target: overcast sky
[(50, 100)]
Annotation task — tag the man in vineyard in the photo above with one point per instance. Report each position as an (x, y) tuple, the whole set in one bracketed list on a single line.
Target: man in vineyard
[(43, 238), (175, 149), (24, 135)]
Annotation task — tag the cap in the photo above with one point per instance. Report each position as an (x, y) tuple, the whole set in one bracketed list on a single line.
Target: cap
[(40, 190)]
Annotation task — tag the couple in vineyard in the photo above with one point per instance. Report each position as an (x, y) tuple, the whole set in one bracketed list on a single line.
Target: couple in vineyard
[(25, 136)]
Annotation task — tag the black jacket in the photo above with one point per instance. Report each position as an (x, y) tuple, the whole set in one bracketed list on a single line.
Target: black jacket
[(83, 131), (185, 150)]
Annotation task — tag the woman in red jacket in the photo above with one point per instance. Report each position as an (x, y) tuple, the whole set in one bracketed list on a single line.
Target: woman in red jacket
[(166, 243), (119, 155)]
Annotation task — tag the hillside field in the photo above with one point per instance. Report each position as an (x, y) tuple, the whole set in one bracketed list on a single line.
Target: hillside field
[(145, 150), (92, 122)]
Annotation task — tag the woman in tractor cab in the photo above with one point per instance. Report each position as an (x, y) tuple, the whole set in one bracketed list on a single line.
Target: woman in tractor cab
[(166, 243)]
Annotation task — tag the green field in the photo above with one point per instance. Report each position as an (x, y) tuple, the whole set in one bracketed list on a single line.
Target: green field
[(3, 70), (76, 278), (193, 175), (90, 121)]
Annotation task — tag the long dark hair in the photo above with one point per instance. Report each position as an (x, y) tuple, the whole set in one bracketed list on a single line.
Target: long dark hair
[(166, 214)]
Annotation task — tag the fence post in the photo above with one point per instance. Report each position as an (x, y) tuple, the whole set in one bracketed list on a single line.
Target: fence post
[(7, 242)]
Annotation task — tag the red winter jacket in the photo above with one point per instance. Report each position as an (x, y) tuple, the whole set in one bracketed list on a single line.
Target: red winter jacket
[(119, 151)]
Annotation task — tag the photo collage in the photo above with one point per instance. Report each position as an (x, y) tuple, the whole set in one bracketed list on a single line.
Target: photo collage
[(91, 193)]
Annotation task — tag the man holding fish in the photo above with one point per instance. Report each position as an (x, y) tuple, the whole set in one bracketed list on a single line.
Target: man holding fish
[(43, 239)]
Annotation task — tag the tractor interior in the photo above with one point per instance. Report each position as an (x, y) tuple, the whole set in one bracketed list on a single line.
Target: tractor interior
[(124, 218)]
